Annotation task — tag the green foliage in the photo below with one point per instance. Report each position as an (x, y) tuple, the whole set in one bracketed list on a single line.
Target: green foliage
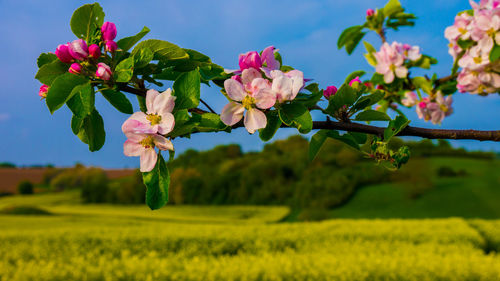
[(49, 71), (187, 90), (372, 115), (162, 50), (86, 20), (93, 131), (24, 210), (124, 70), (128, 42), (395, 126), (350, 38), (495, 53), (392, 7), (296, 115), (61, 90), (273, 124), (25, 187), (157, 182), (118, 100), (45, 58), (346, 95), (94, 185), (82, 101)]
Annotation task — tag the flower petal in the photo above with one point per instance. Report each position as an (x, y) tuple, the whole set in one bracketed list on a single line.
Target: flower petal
[(232, 113), (249, 74), (389, 77), (133, 125), (148, 160), (167, 123), (234, 89), (265, 98), (268, 57), (150, 97), (163, 143), (401, 72), (254, 120), (282, 87), (132, 148), (164, 103)]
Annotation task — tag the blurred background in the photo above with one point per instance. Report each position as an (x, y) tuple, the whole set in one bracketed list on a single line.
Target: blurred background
[(241, 209)]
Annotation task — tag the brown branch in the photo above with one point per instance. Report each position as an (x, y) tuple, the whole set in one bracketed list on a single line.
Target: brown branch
[(373, 130)]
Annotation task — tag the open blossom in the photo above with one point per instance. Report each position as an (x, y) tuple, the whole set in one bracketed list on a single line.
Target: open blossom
[(461, 28), (103, 71), (475, 59), (410, 99), (62, 52), (78, 49), (407, 51), (390, 63), (260, 97), (143, 145), (441, 108), (44, 89), (286, 85), (158, 117)]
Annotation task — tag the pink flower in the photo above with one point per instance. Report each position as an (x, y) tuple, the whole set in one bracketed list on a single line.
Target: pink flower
[(236, 77), (250, 59), (287, 85), (370, 12), (62, 52), (475, 58), (425, 108), (353, 82), (143, 145), (261, 98), (108, 31), (75, 68), (330, 91), (78, 49), (158, 117), (468, 82), (269, 60), (111, 46), (390, 62), (410, 99), (94, 51), (408, 52), (103, 71), (461, 29), (441, 108), (44, 89)]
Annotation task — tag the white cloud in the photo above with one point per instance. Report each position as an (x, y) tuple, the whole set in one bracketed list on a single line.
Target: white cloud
[(4, 117)]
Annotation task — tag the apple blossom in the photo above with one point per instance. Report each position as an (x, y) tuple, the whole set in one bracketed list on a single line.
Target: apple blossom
[(75, 68), (441, 108), (330, 91), (108, 31), (78, 49), (94, 51), (62, 52), (111, 46), (261, 98), (143, 145), (271, 63), (250, 59), (390, 62), (355, 82), (370, 12), (286, 85), (410, 99), (44, 89), (103, 71)]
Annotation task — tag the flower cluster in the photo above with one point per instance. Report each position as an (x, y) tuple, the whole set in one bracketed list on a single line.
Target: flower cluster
[(472, 38), (435, 109), (258, 85), (391, 60), (145, 131)]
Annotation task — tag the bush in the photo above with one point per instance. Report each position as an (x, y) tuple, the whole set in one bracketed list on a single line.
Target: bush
[(94, 185), (25, 187), (446, 171), (24, 210)]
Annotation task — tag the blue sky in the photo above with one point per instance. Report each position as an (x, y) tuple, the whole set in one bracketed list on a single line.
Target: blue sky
[(305, 32)]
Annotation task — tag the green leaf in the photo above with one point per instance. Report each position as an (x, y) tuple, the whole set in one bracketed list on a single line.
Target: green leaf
[(210, 122), (157, 182), (313, 87), (359, 137), (369, 47), (421, 82), (86, 20), (353, 42), (466, 44), (124, 70), (162, 50), (118, 100), (128, 42), (50, 71), (76, 124), (272, 126), (345, 138), (357, 73), (62, 90), (455, 67), (368, 100), (395, 126), (142, 103), (316, 142), (296, 115), (495, 53), (168, 74), (142, 58), (392, 7), (45, 58), (346, 95), (211, 72), (197, 56), (82, 101), (347, 34), (372, 115), (187, 90), (94, 130)]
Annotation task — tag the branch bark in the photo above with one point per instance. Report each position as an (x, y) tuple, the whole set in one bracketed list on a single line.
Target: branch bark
[(373, 130)]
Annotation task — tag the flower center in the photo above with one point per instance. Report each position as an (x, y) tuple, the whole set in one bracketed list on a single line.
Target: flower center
[(491, 32), (443, 108), (478, 60), (155, 119), (462, 30), (248, 102), (148, 142), (392, 67)]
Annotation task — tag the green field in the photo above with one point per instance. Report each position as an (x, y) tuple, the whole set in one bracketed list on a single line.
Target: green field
[(103, 242)]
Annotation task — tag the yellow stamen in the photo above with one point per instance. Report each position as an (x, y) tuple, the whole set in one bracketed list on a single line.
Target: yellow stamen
[(155, 119), (491, 32), (148, 142), (462, 30), (478, 60), (392, 67), (248, 102), (443, 108)]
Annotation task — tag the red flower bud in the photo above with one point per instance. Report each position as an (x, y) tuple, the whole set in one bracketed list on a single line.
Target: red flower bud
[(94, 51), (75, 68)]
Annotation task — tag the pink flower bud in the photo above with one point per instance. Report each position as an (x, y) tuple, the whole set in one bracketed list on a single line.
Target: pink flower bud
[(94, 51), (422, 104), (330, 91), (370, 12), (62, 52), (250, 59), (355, 82), (75, 68), (78, 49), (237, 78), (43, 91), (108, 30), (103, 71), (111, 46)]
